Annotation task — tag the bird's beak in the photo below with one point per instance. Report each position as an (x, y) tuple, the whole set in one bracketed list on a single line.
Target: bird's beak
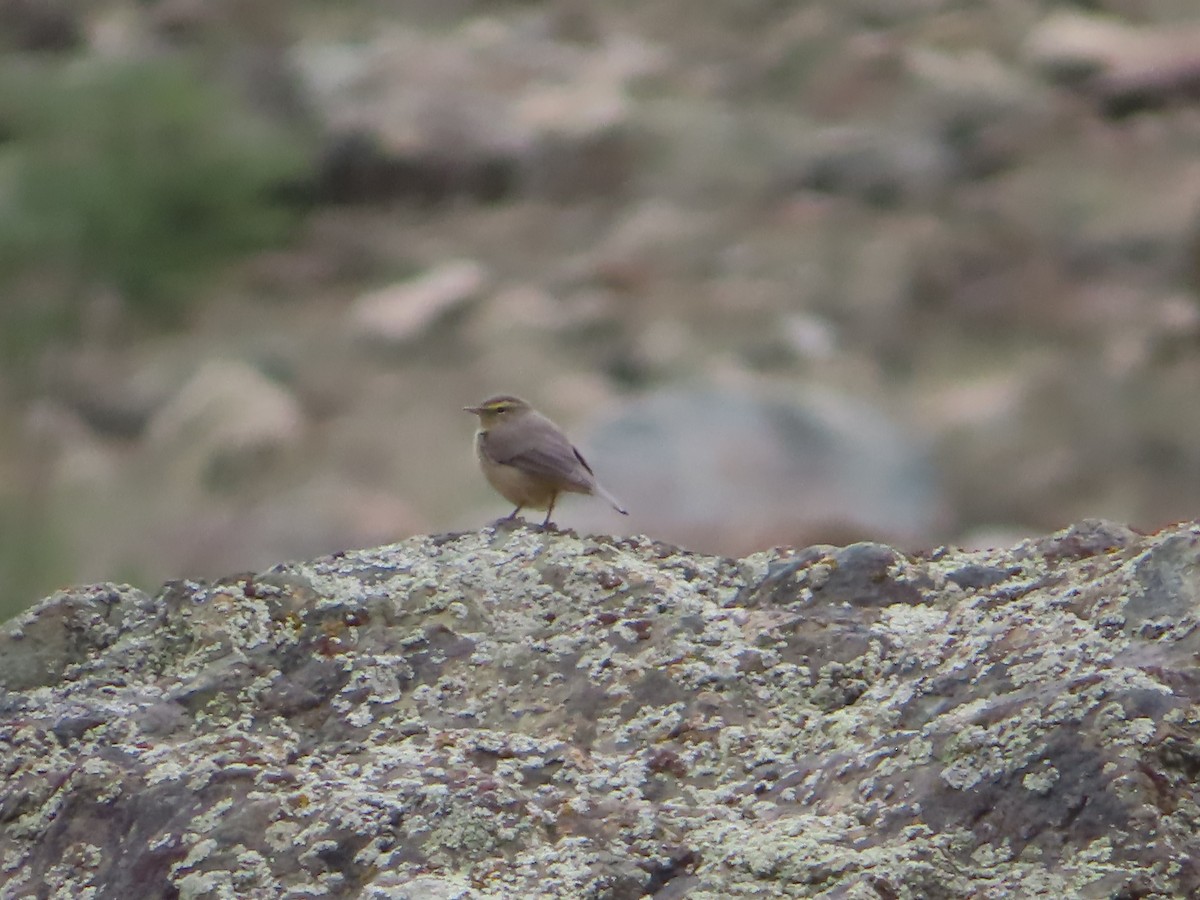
[(473, 409)]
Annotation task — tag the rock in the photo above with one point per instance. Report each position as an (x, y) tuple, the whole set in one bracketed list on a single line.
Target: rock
[(1071, 46), (43, 25), (638, 247), (730, 471), (528, 314), (66, 449), (809, 337), (404, 312), (989, 115), (1128, 67), (484, 111), (519, 713), (115, 394), (223, 426), (521, 309), (885, 168)]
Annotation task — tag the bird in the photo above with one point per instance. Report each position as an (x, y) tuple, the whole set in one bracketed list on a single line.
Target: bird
[(528, 459)]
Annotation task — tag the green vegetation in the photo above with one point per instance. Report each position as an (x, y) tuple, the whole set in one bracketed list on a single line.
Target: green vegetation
[(135, 178)]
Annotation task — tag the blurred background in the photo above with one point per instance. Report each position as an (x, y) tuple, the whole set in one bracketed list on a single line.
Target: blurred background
[(919, 271)]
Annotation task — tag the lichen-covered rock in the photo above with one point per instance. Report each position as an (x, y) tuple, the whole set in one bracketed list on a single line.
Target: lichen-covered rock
[(513, 713)]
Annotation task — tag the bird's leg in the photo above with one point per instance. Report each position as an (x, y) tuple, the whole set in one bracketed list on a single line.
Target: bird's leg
[(546, 521), (512, 515)]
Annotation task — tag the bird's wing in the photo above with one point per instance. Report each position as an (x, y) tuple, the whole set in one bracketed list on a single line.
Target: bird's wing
[(555, 460), (583, 462)]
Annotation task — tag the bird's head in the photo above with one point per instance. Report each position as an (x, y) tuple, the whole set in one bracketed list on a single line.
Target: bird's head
[(499, 409)]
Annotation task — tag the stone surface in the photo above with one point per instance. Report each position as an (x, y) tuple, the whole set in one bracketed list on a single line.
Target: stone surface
[(511, 713), (1130, 68), (40, 25), (404, 312), (486, 111), (715, 468), (227, 422)]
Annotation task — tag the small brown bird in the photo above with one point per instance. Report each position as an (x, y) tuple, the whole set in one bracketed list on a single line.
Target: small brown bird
[(528, 459)]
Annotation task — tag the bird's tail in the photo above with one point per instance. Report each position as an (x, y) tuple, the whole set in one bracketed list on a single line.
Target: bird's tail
[(613, 501)]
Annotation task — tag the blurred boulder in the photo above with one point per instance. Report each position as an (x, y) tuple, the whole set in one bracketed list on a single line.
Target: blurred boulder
[(1072, 46), (882, 167), (985, 112), (223, 427), (966, 116), (62, 450), (1127, 67), (484, 111), (40, 25), (404, 312), (730, 471), (113, 394)]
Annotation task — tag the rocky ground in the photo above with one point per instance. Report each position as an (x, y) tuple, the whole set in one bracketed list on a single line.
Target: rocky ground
[(512, 713), (807, 272)]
